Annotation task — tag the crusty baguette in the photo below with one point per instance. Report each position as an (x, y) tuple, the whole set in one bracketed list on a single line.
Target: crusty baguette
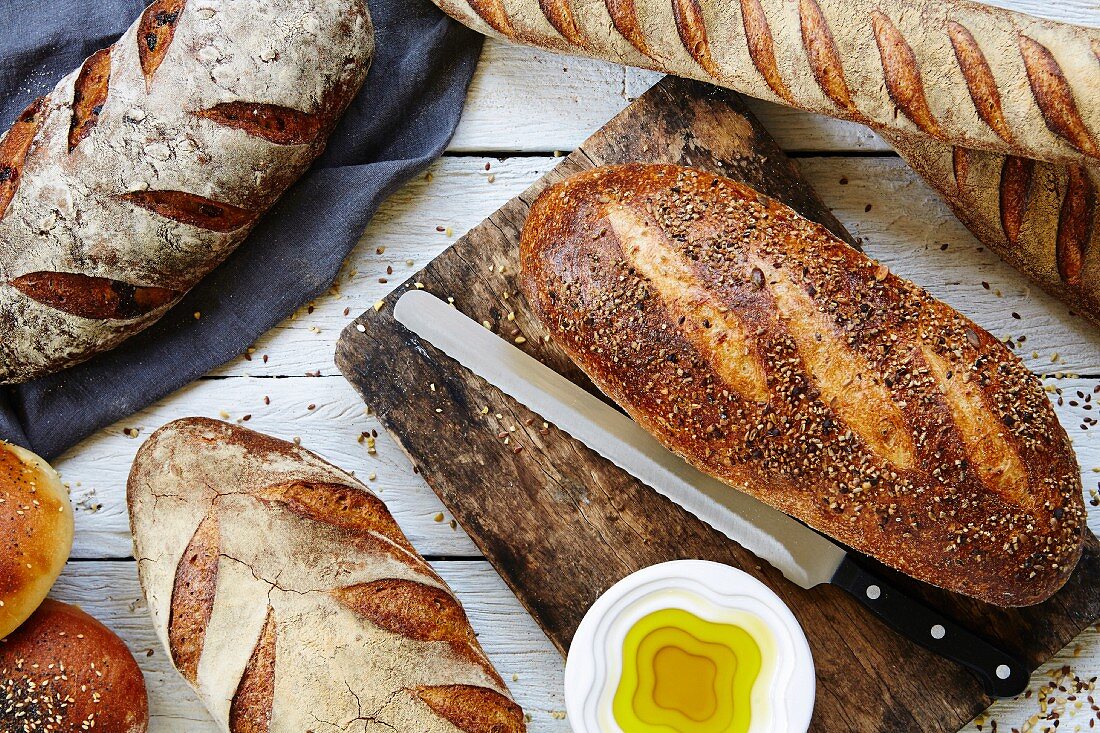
[(288, 597), (958, 71), (144, 168), (768, 353), (64, 671), (1042, 218)]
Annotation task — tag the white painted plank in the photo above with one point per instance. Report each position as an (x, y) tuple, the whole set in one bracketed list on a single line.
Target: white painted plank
[(110, 592), (528, 100), (906, 227)]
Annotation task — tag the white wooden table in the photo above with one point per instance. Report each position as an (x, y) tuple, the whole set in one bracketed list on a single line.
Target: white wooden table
[(526, 108)]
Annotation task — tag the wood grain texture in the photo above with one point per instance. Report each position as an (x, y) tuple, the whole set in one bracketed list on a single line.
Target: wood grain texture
[(549, 493)]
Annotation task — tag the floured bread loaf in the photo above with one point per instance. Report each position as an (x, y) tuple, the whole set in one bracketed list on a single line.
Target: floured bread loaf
[(288, 597)]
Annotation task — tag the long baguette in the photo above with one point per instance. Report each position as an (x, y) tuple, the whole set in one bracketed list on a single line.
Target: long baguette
[(770, 354), (961, 72)]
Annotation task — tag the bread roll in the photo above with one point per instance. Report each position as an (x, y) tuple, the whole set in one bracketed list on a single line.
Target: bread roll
[(288, 597), (36, 533), (144, 168), (768, 353), (65, 672)]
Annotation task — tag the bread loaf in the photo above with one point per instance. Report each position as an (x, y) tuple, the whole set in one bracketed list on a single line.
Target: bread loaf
[(143, 169), (288, 597), (959, 71), (65, 672), (36, 533), (1042, 218), (768, 353)]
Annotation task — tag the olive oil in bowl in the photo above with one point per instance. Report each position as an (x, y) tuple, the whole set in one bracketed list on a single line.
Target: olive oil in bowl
[(685, 674), (689, 647)]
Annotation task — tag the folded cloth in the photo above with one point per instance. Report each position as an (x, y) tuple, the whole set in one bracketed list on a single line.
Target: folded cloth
[(402, 120)]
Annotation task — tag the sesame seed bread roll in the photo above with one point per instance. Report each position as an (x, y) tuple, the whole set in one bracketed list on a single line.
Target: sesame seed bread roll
[(36, 533), (65, 672), (768, 353)]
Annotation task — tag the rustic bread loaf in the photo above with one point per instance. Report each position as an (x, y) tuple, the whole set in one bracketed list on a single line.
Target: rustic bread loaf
[(957, 71), (143, 169), (288, 597), (65, 672), (768, 353), (1042, 218), (36, 533)]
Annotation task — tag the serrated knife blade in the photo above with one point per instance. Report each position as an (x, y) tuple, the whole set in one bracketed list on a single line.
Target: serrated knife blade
[(801, 554)]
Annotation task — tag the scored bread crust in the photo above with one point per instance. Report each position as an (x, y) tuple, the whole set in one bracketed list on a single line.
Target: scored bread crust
[(768, 353), (290, 600), (959, 71), (144, 168)]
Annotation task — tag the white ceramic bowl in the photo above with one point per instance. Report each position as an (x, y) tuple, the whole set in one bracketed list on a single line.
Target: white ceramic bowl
[(782, 698)]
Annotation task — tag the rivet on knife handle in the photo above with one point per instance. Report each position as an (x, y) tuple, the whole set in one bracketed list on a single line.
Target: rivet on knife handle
[(1002, 674)]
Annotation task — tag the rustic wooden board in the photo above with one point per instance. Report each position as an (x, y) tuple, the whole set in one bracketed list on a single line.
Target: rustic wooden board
[(561, 524)]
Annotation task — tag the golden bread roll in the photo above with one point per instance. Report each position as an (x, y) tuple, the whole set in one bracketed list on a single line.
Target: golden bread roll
[(36, 533)]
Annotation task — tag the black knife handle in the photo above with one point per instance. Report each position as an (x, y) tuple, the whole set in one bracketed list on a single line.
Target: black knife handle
[(1002, 674)]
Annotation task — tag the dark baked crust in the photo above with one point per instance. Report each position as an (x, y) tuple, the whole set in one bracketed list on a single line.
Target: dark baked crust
[(768, 353), (65, 671)]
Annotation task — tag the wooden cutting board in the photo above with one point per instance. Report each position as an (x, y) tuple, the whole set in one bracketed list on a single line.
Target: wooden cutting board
[(562, 525)]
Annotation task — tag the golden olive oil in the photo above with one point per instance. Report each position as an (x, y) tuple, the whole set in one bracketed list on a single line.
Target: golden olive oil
[(684, 674)]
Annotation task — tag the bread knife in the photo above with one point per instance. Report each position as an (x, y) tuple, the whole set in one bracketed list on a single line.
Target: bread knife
[(805, 557)]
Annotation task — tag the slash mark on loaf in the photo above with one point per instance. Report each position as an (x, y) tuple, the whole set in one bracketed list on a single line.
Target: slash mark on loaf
[(89, 95), (845, 379), (473, 709), (983, 88), (250, 710), (1015, 194), (93, 297), (758, 36), (691, 26), (998, 464), (624, 16), (560, 15), (272, 122), (156, 29), (1076, 221), (824, 57), (190, 208), (711, 329), (1055, 97), (15, 146), (902, 75), (193, 592), (494, 13)]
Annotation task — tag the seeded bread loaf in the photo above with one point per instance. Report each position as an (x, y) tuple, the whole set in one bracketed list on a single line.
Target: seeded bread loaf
[(144, 168), (288, 597), (62, 671), (768, 353), (959, 71), (1042, 218)]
